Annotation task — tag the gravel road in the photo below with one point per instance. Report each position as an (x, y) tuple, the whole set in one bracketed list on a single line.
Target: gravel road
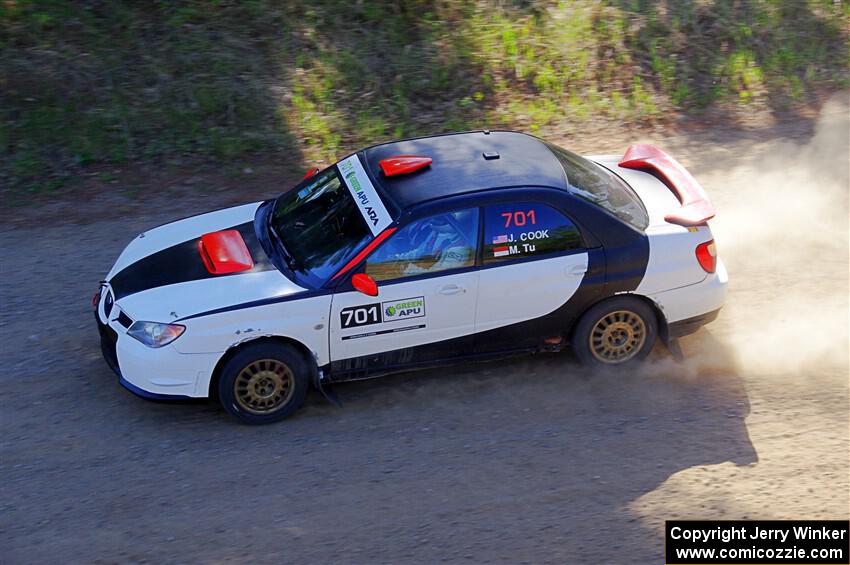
[(530, 460)]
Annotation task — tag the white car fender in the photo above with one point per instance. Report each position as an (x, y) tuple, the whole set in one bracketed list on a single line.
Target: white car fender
[(301, 319)]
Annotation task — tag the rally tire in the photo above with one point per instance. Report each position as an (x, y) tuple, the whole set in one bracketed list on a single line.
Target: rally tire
[(264, 383), (616, 332)]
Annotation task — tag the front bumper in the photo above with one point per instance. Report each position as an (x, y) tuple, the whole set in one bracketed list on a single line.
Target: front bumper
[(176, 375), (109, 349)]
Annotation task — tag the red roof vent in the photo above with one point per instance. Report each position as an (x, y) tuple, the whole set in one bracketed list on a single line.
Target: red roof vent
[(403, 164), (696, 207), (224, 252)]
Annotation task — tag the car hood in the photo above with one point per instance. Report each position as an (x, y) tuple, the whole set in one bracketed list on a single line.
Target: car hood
[(180, 231), (161, 275)]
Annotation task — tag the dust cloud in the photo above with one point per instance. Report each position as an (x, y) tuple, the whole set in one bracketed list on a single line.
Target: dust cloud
[(781, 341), (782, 231)]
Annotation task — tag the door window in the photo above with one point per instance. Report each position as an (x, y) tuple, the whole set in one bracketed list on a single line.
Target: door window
[(518, 231), (437, 243)]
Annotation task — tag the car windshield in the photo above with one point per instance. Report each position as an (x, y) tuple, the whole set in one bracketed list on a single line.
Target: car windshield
[(592, 182), (319, 225)]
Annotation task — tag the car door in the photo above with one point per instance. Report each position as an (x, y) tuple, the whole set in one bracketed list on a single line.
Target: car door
[(425, 308), (533, 262)]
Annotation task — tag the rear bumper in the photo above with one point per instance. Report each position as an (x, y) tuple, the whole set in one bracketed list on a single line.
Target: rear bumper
[(690, 325), (688, 308)]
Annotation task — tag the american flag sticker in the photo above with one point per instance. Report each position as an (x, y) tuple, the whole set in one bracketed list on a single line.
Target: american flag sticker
[(500, 239), (501, 251)]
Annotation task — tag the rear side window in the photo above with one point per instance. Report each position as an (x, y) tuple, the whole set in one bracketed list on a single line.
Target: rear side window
[(518, 231), (597, 184)]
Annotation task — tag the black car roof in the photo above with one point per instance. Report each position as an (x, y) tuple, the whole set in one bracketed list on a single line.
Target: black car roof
[(459, 165)]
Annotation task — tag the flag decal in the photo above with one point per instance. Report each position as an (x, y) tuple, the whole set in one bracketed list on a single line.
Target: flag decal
[(501, 251)]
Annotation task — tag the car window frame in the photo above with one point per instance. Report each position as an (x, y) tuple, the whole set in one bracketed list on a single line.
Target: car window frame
[(403, 223), (583, 161), (583, 248)]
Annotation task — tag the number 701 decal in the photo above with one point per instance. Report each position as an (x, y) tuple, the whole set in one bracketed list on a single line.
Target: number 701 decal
[(360, 315), (519, 218)]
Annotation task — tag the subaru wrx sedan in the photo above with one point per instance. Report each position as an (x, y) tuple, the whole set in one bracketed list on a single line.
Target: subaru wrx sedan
[(441, 249)]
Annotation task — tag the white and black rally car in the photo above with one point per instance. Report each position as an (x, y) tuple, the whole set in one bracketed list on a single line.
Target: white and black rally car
[(412, 253)]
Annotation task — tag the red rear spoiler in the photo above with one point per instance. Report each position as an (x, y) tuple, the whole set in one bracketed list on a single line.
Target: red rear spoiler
[(696, 207)]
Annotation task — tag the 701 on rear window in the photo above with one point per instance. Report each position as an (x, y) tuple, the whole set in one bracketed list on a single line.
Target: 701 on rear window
[(526, 229), (519, 218)]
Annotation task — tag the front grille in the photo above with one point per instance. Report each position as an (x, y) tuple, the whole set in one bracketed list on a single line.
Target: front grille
[(108, 339), (125, 320), (108, 303)]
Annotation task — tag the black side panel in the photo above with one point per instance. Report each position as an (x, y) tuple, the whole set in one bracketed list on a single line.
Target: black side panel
[(181, 263), (428, 354)]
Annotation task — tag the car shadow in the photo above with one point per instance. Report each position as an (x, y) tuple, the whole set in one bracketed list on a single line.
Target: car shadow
[(551, 450)]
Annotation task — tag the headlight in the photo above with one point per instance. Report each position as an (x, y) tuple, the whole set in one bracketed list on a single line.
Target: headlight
[(153, 334)]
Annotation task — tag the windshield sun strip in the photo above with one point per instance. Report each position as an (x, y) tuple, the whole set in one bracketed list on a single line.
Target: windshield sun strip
[(365, 196)]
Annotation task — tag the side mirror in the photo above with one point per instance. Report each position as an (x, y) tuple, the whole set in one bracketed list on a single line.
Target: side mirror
[(365, 284)]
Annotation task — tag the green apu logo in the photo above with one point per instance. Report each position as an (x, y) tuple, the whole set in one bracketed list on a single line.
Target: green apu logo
[(407, 308), (351, 178)]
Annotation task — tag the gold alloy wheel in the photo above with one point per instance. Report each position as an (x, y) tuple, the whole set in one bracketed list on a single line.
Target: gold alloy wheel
[(617, 337), (264, 386)]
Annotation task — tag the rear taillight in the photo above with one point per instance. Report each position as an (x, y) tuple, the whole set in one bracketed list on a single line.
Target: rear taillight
[(707, 256), (95, 299)]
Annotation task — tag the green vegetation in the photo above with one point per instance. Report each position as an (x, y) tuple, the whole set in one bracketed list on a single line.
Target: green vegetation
[(92, 82)]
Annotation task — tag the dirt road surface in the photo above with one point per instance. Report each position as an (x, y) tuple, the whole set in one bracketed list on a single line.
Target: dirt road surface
[(530, 460)]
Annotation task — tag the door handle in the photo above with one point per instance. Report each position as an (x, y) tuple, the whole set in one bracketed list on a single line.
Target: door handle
[(450, 289), (577, 270)]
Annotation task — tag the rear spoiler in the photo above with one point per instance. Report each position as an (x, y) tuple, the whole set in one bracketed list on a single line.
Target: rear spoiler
[(696, 207)]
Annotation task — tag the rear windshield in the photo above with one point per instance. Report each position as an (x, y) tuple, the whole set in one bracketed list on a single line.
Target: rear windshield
[(597, 184)]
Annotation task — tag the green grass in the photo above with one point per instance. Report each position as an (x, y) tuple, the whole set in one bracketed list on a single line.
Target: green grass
[(90, 83)]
